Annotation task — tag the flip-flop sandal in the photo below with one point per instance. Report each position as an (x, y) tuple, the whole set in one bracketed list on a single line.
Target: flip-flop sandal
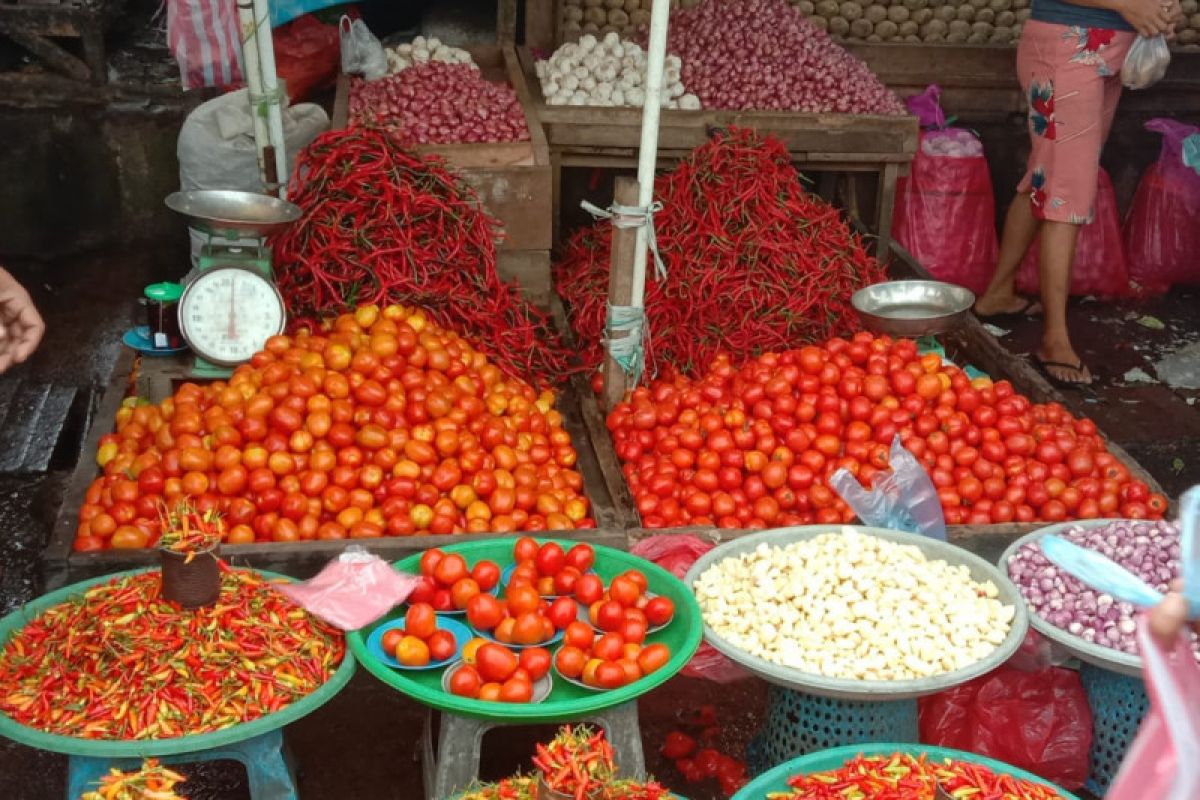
[(1027, 311), (1062, 383)]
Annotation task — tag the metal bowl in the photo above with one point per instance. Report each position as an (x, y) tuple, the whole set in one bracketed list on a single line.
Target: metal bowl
[(234, 214), (912, 308)]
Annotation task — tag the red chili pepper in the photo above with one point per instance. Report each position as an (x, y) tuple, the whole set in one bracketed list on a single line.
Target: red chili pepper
[(689, 770)]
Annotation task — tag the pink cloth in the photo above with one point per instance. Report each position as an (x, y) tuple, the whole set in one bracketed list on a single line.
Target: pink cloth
[(1072, 80)]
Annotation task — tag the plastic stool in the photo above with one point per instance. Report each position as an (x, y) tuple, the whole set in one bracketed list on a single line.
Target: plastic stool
[(799, 723), (1118, 704), (456, 765), (266, 762)]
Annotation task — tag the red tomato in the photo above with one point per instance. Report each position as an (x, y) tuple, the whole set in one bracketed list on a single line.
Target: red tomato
[(420, 621), (442, 645), (495, 662), (450, 569), (486, 575), (610, 616), (653, 658), (562, 612), (659, 611), (526, 549), (588, 589), (579, 634), (570, 661), (609, 647)]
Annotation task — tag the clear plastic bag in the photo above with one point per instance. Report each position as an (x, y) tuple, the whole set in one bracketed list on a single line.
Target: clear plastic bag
[(362, 52), (1164, 760), (353, 590), (1146, 63), (904, 498)]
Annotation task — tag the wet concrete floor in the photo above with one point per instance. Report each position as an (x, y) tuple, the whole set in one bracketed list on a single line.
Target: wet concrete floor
[(364, 743)]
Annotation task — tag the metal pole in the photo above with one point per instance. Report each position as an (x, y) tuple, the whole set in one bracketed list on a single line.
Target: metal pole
[(648, 150)]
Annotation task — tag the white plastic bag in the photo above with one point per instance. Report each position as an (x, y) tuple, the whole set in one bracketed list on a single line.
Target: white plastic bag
[(362, 52), (1146, 63)]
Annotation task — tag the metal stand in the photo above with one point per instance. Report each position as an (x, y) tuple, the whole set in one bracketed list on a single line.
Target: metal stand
[(264, 757), (456, 764)]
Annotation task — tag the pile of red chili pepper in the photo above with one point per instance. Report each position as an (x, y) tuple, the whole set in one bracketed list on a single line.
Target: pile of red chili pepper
[(578, 761), (120, 662), (187, 531), (152, 782), (383, 225), (754, 262), (905, 777)]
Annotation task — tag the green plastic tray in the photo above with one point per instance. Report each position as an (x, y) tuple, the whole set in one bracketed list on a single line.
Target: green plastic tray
[(776, 779), (142, 748), (566, 701)]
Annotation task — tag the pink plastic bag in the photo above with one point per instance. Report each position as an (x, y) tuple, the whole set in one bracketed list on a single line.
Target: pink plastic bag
[(676, 553), (1039, 721), (1164, 761), (204, 37), (945, 210), (1162, 239), (353, 590), (1100, 267)]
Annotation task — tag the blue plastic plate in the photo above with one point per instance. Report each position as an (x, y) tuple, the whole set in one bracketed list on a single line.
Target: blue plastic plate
[(461, 633)]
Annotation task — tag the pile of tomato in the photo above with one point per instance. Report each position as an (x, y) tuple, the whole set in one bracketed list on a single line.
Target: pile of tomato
[(381, 425), (754, 447)]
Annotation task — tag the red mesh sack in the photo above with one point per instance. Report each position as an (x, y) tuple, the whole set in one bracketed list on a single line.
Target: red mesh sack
[(307, 55), (945, 210), (1039, 721), (1162, 233), (1100, 268)]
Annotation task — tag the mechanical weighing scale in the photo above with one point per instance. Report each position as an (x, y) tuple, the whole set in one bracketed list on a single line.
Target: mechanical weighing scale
[(230, 305)]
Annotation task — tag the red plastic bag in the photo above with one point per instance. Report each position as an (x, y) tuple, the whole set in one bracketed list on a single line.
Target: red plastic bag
[(1164, 761), (307, 56), (1162, 239), (1038, 721), (945, 210), (676, 553), (1100, 268)]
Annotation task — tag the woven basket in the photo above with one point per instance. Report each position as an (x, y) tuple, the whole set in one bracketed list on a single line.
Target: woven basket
[(192, 584)]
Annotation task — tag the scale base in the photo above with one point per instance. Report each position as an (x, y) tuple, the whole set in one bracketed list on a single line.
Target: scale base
[(208, 371)]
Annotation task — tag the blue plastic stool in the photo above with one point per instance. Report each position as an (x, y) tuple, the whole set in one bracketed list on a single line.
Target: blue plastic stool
[(264, 758), (799, 723), (1118, 703)]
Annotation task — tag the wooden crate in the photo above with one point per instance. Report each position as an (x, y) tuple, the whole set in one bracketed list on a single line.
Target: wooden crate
[(972, 343), (512, 179), (833, 143), (157, 378)]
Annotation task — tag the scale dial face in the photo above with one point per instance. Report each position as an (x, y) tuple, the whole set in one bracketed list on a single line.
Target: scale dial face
[(227, 314)]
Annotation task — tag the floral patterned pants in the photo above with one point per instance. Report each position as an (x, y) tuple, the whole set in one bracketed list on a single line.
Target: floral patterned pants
[(1071, 77)]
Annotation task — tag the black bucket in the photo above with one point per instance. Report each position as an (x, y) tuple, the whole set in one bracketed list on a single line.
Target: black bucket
[(192, 584)]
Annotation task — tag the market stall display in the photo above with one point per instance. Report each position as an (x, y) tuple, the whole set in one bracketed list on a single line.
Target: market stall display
[(425, 51), (566, 701), (380, 424), (855, 577), (753, 261), (906, 772), (755, 446), (607, 73)]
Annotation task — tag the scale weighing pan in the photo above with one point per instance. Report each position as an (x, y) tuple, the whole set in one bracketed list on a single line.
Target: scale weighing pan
[(234, 214)]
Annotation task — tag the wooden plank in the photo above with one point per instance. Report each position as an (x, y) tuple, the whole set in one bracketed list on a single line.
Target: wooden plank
[(529, 269), (541, 24), (620, 283), (157, 379), (28, 37)]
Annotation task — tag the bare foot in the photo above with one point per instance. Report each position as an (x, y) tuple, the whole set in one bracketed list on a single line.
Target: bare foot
[(1061, 362), (993, 305)]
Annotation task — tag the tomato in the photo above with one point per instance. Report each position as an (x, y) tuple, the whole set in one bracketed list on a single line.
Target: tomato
[(610, 675), (624, 590), (550, 558), (633, 630), (581, 557), (128, 537), (570, 661), (588, 589), (450, 569), (608, 647), (562, 612), (442, 645), (526, 549), (535, 661), (659, 611), (412, 652), (420, 620), (490, 692), (465, 682), (522, 599), (463, 590), (610, 616), (429, 561), (391, 638), (495, 662), (579, 634), (653, 658)]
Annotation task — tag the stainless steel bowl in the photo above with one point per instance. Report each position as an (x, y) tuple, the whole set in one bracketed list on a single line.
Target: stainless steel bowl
[(912, 308), (234, 214)]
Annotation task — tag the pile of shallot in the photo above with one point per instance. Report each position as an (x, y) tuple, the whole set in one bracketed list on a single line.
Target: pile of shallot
[(440, 104), (764, 55), (1149, 550), (607, 73)]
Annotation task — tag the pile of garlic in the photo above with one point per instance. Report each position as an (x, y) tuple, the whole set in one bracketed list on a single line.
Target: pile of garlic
[(424, 51), (607, 73), (849, 605)]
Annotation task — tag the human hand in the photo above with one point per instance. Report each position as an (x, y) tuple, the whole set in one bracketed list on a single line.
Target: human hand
[(21, 327), (1168, 618), (1148, 17)]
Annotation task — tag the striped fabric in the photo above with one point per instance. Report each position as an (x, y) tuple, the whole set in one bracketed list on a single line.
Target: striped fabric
[(203, 36)]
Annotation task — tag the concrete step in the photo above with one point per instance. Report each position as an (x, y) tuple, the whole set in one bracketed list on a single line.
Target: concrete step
[(32, 418)]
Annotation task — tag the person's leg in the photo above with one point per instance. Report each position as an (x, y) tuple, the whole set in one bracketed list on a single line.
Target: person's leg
[(1020, 228), (1056, 257)]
